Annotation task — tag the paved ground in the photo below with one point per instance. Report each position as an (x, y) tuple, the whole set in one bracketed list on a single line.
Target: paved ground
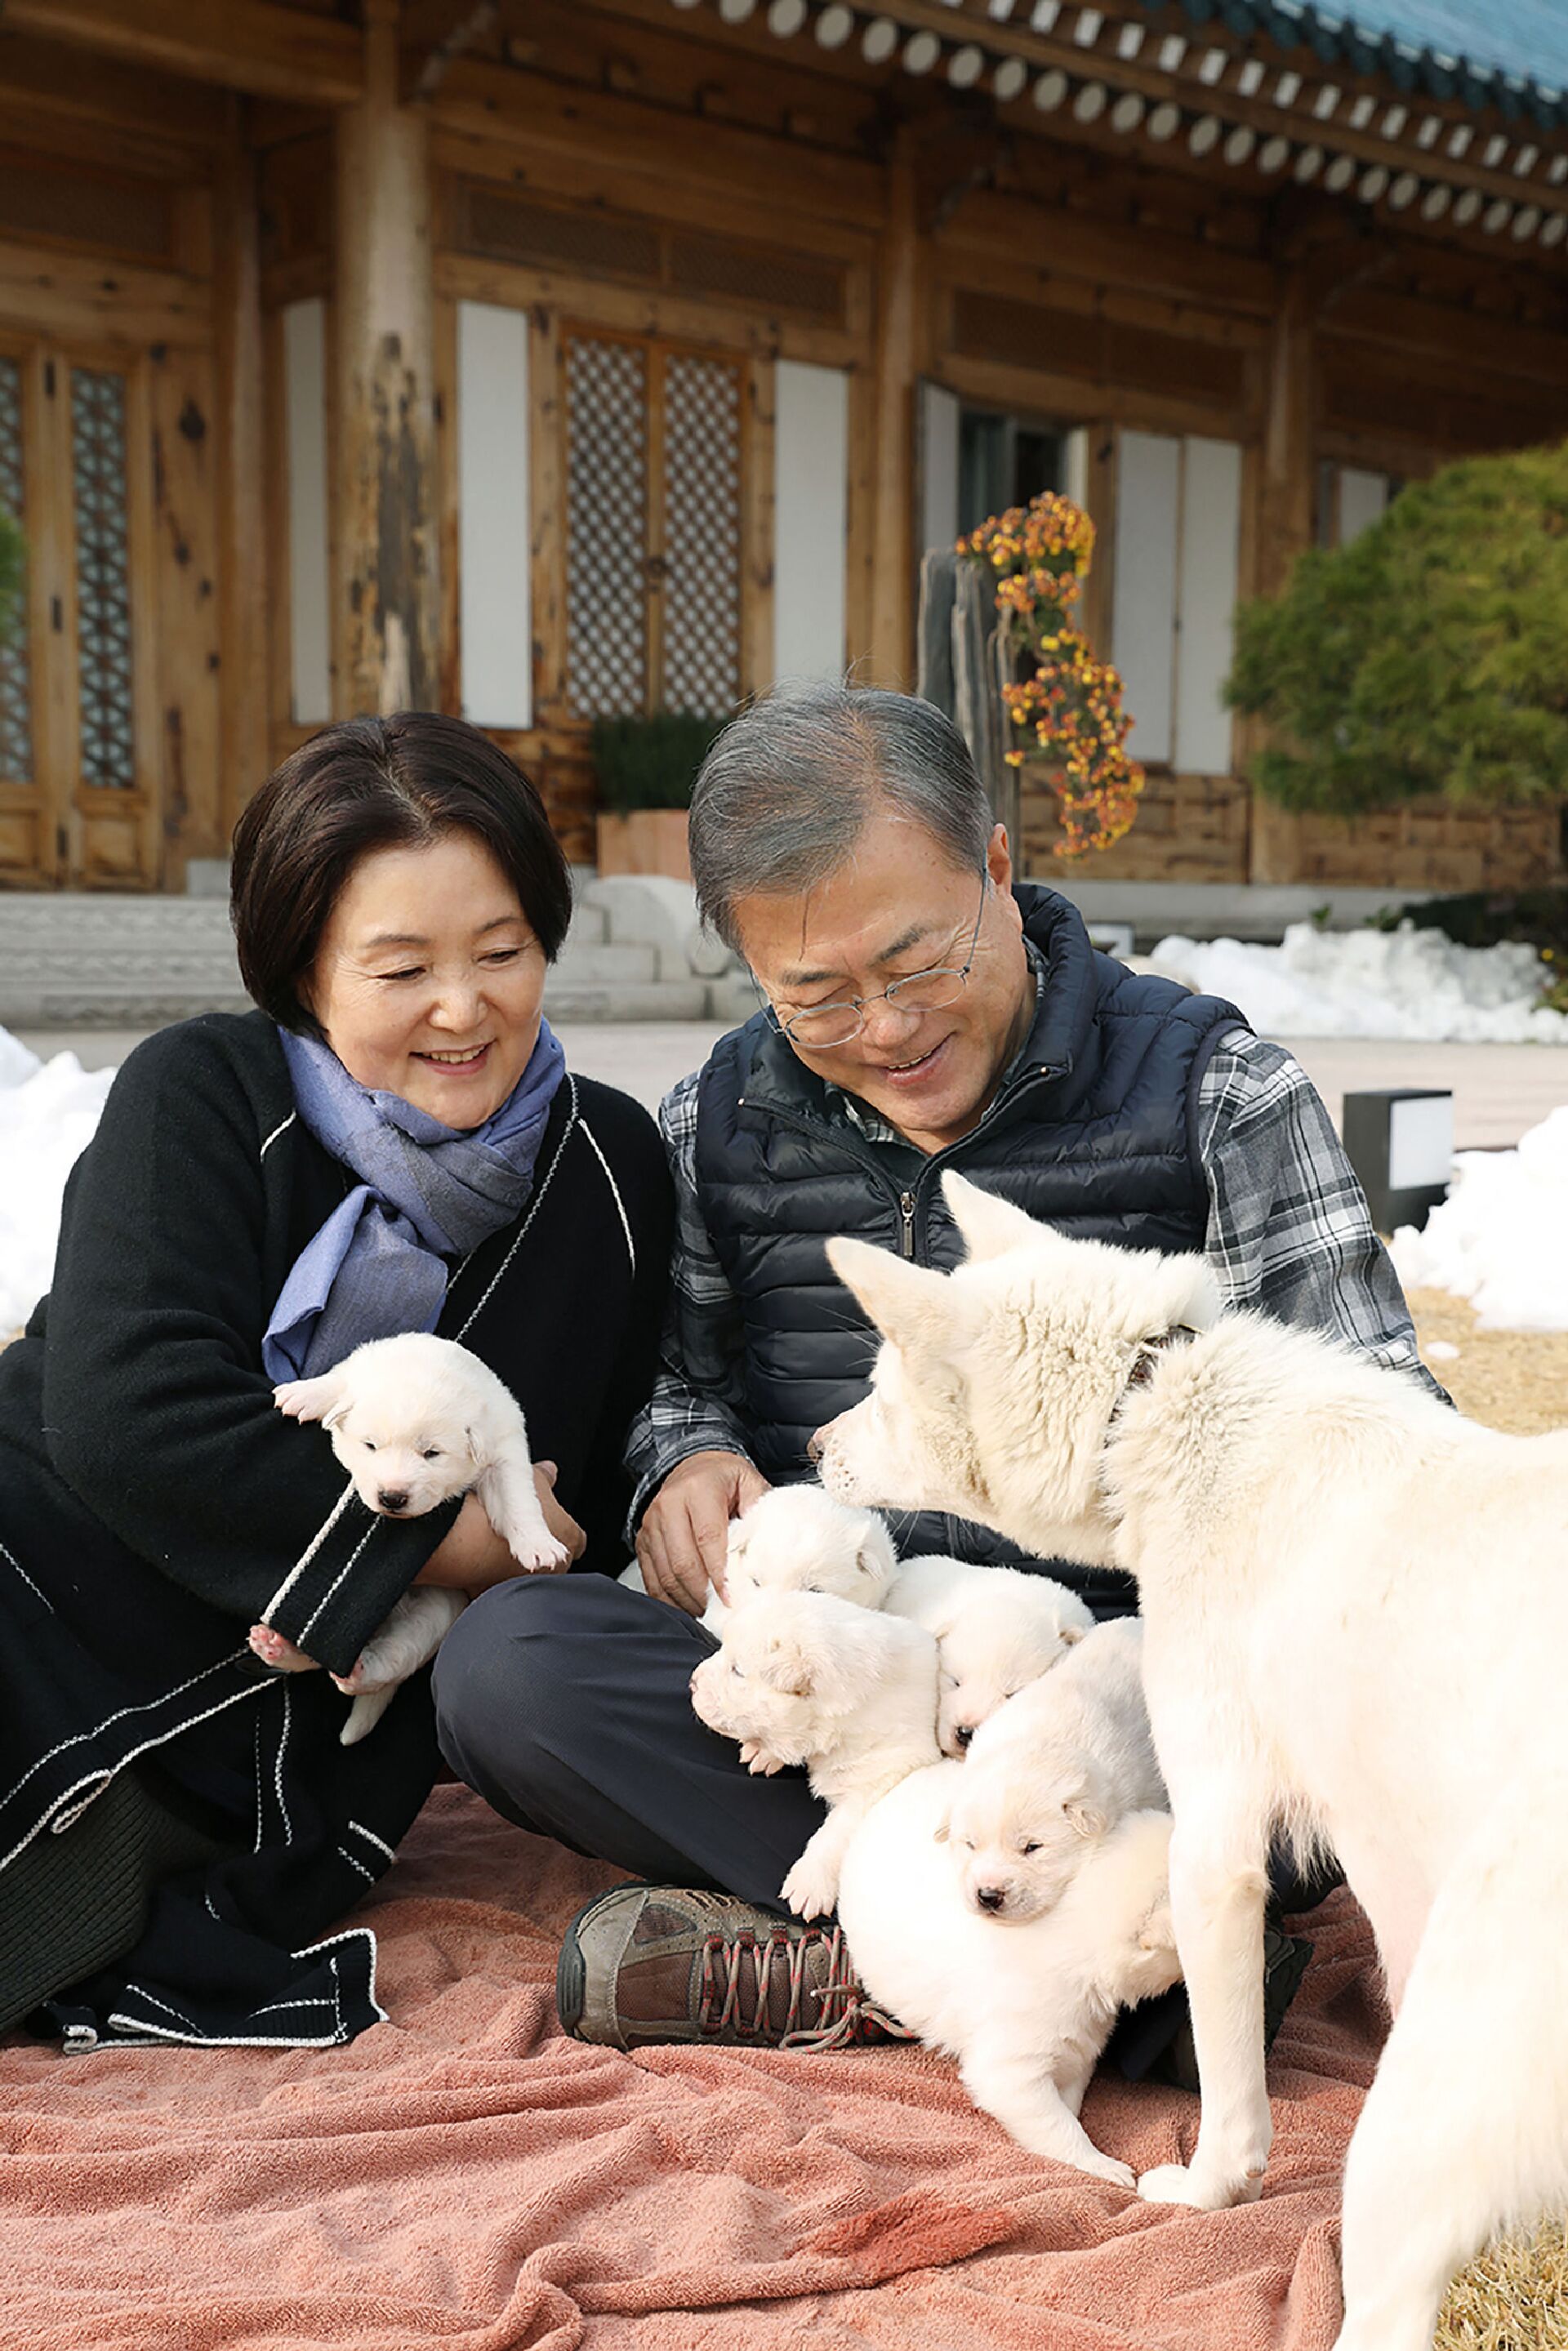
[(1499, 1091)]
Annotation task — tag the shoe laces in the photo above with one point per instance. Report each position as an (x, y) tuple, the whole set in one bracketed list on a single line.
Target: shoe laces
[(844, 2014)]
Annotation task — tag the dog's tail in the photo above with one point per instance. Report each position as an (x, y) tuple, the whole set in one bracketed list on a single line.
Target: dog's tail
[(1465, 2131)]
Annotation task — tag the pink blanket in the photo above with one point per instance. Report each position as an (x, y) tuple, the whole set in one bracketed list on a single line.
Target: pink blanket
[(465, 2176)]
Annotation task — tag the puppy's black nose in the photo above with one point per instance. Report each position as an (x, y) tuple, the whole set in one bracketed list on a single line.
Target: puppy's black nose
[(393, 1499), (989, 1897), (963, 1732)]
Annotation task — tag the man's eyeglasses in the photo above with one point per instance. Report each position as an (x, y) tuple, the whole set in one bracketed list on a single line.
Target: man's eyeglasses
[(823, 1026)]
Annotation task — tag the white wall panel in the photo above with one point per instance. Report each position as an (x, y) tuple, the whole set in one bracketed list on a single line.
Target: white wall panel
[(1361, 498), (811, 525), (1206, 601), (494, 530), (937, 520), (1143, 625), (305, 430)]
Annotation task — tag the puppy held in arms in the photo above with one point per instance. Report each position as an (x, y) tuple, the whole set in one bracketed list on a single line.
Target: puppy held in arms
[(807, 1679), (1355, 1615), (416, 1421)]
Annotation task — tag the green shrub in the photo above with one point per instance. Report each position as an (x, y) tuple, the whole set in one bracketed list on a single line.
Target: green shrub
[(1428, 656), (650, 763)]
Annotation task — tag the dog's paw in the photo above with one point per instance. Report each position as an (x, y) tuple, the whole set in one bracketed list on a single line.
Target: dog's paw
[(300, 1399), (1105, 2167), (756, 1759), (538, 1554), (811, 1889), (281, 1654), (1178, 2183)]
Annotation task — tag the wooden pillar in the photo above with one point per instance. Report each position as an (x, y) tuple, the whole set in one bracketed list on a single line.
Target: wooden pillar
[(244, 589), (384, 490), (897, 368), (1284, 525)]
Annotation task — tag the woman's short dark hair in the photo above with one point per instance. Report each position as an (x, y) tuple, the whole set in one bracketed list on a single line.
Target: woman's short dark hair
[(378, 783)]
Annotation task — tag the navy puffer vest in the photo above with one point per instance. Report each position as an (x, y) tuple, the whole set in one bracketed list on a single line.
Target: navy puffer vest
[(1096, 1133)]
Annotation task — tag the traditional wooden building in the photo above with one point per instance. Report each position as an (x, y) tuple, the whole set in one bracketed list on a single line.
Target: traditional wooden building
[(546, 359)]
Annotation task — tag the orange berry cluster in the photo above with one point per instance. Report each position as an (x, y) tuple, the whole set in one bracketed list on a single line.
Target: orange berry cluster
[(1071, 701)]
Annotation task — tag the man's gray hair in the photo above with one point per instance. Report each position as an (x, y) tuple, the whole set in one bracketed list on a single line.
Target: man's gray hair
[(783, 793)]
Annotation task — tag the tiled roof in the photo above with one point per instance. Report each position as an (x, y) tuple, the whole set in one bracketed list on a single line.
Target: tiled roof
[(1512, 54)]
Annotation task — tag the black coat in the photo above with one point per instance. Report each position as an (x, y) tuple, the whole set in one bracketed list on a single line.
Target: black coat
[(153, 1506)]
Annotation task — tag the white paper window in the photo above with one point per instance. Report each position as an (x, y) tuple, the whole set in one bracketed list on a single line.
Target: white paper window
[(1363, 497), (810, 527), (494, 535), (1178, 521)]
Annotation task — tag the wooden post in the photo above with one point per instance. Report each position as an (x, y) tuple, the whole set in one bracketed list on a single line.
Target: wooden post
[(1285, 526), (896, 367), (243, 600), (384, 491)]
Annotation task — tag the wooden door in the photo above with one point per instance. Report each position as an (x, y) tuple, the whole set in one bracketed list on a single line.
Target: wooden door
[(78, 803)]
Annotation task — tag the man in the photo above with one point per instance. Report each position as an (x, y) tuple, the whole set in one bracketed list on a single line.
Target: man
[(920, 1011)]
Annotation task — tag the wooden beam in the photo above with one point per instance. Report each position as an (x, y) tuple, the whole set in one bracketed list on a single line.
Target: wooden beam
[(540, 115), (1046, 243), (1451, 335), (72, 294), (384, 474), (156, 117), (1284, 528), (248, 44), (896, 367)]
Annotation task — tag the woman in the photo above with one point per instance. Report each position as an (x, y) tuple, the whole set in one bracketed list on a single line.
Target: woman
[(392, 1143)]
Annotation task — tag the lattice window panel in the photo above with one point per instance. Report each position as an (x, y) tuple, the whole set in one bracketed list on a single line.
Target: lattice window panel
[(702, 534), (607, 528), (103, 578), (16, 666)]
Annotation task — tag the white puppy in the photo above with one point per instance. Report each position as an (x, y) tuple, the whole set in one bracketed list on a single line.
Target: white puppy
[(1026, 2012), (846, 1692), (1052, 1773), (996, 1629), (799, 1538), (415, 1421), (1355, 1616)]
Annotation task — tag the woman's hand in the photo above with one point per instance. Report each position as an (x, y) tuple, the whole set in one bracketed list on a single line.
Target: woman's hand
[(473, 1556), (683, 1542)]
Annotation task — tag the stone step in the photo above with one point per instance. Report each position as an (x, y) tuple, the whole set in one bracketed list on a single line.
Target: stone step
[(72, 960)]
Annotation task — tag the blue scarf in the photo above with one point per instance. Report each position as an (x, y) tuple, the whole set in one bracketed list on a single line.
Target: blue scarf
[(426, 1193)]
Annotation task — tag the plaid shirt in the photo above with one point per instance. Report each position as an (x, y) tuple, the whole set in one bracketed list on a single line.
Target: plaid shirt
[(1288, 1230)]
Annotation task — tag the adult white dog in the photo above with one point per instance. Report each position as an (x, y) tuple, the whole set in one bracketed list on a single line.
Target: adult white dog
[(1025, 2009), (848, 1694), (1356, 1612), (416, 1420), (1052, 1773), (996, 1629)]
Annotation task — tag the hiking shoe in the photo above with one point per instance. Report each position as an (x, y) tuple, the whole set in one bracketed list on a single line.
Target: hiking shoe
[(1285, 1960), (652, 1963)]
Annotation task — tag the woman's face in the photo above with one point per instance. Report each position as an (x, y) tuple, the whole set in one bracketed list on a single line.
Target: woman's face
[(429, 982)]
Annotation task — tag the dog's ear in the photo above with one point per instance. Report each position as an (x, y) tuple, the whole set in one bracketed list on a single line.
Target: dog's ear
[(471, 1444), (1083, 1807), (910, 1304), (784, 1670), (989, 1226), (943, 1829)]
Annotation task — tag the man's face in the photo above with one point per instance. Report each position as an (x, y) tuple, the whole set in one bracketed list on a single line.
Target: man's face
[(899, 904)]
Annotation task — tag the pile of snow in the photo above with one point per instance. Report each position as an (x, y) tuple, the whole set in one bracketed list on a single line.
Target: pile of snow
[(1500, 1238), (1403, 983), (48, 1115)]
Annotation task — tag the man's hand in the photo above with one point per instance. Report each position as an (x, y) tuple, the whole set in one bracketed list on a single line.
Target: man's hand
[(474, 1556), (684, 1540)]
